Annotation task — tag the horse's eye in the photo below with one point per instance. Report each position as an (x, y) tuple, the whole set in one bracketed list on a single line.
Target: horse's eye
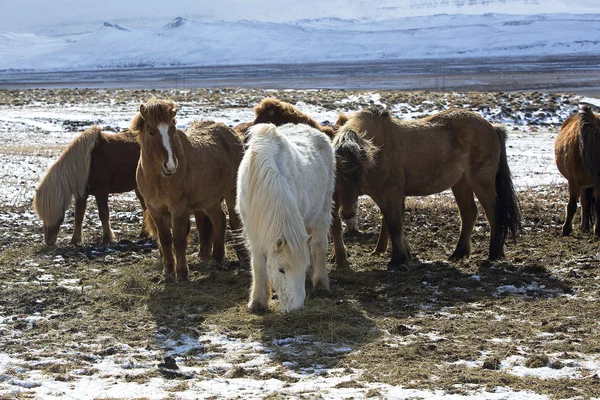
[(282, 271), (150, 133)]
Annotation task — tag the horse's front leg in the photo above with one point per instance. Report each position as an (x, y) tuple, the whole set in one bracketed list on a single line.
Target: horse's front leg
[(80, 205), (181, 230), (102, 201), (318, 256), (384, 237), (339, 250), (393, 214), (162, 222), (260, 292)]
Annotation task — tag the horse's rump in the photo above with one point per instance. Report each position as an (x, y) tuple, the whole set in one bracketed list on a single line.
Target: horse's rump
[(66, 177), (589, 144)]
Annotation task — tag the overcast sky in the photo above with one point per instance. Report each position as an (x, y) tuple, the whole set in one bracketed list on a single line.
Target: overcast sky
[(27, 15)]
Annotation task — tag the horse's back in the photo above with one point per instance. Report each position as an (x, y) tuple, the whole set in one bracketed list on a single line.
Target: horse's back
[(214, 152), (314, 172)]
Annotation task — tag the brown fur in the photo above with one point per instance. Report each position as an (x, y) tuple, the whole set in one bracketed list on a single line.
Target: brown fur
[(392, 159), (279, 113), (577, 156), (341, 119), (96, 163), (208, 155)]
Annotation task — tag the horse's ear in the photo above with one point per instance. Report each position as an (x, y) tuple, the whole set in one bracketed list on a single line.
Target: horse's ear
[(142, 110), (280, 244), (173, 113)]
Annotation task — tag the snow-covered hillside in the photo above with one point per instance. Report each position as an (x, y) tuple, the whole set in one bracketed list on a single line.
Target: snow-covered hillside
[(183, 42)]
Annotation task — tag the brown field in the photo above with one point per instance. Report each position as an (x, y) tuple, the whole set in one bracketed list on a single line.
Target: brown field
[(528, 323)]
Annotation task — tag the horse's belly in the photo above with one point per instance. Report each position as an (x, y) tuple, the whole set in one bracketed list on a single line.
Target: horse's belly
[(421, 186)]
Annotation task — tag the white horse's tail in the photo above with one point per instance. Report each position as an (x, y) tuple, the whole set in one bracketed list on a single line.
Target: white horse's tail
[(68, 176), (271, 209)]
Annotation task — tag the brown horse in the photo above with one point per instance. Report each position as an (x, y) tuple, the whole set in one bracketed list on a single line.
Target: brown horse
[(182, 172), (577, 155), (278, 113), (96, 163), (389, 159)]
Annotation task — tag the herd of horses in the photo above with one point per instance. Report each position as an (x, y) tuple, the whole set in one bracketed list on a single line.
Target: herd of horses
[(287, 181)]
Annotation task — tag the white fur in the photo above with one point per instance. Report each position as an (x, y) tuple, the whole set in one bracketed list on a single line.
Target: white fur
[(284, 191), (171, 165)]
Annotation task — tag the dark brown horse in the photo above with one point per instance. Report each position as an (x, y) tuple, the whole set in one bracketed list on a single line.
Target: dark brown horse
[(183, 172), (389, 159), (96, 163), (577, 155)]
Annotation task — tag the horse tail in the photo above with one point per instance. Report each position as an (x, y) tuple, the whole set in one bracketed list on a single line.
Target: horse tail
[(508, 209), (67, 177), (589, 144)]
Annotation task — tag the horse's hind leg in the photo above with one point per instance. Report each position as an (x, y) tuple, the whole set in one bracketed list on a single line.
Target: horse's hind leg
[(102, 201), (217, 219), (468, 214), (486, 193), (80, 205), (571, 208), (318, 255), (144, 231), (236, 230), (586, 195), (205, 238)]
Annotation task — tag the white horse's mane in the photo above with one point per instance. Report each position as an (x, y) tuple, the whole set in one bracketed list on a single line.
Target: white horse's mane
[(271, 210)]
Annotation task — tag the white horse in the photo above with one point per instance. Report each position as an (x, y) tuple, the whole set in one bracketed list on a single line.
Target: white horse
[(284, 197)]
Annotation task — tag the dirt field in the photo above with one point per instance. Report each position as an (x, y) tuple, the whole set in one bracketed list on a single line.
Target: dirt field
[(99, 321)]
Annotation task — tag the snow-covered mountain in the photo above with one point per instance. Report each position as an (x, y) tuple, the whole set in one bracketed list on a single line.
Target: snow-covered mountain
[(363, 30)]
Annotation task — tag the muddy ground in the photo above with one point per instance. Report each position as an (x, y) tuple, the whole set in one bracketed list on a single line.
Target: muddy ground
[(100, 322)]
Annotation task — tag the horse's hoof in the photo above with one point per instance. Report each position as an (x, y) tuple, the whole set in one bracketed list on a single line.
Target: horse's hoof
[(76, 242), (376, 252), (257, 308), (397, 266), (566, 231), (458, 255)]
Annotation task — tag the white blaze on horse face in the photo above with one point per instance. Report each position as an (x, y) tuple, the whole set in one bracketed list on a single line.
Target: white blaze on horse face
[(171, 164)]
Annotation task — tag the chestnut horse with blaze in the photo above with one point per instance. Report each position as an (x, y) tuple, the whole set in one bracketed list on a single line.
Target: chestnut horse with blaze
[(389, 159), (182, 172), (577, 154)]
